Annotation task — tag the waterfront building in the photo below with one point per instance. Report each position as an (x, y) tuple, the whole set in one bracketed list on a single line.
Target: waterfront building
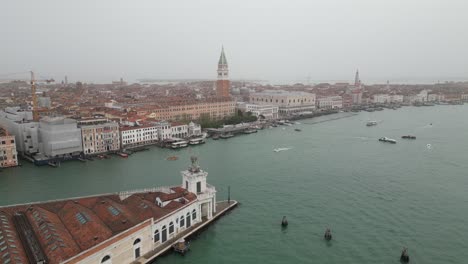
[(99, 136), (164, 130), (8, 154), (214, 109), (223, 84), (59, 138), (194, 130), (387, 98), (287, 102), (179, 130), (260, 111), (134, 136), (125, 227), (330, 102), (464, 97), (438, 97), (421, 97), (18, 122)]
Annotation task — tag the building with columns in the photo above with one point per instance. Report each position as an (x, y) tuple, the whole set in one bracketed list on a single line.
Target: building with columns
[(222, 84), (117, 228)]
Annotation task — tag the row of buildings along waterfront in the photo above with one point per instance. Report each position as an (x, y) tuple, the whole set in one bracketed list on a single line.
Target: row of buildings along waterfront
[(125, 227), (65, 138)]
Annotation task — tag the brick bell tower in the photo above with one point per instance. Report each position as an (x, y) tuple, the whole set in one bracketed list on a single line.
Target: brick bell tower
[(223, 84)]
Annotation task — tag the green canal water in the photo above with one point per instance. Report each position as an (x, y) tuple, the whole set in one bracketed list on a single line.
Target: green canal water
[(376, 197)]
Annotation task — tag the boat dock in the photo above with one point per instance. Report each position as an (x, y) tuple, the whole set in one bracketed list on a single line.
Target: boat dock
[(221, 208)]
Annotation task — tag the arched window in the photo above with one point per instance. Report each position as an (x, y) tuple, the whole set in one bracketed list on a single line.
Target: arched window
[(156, 236), (136, 247), (182, 221), (171, 227), (189, 223), (194, 214), (106, 259)]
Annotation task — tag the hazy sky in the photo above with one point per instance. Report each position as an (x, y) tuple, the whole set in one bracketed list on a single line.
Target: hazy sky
[(100, 41)]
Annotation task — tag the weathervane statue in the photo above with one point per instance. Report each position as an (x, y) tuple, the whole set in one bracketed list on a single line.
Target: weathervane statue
[(195, 167)]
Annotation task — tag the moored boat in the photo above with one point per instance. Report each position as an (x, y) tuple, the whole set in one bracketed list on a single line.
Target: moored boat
[(215, 137), (250, 131), (196, 141), (123, 155), (388, 140), (409, 137), (181, 246), (179, 144), (226, 135)]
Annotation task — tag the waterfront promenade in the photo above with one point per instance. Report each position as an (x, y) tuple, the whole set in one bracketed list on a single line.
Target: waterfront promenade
[(222, 208)]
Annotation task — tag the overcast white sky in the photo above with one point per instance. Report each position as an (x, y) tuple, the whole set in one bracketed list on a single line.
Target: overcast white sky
[(104, 40)]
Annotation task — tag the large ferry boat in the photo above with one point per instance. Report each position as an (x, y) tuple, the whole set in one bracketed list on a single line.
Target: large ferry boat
[(179, 144), (196, 141)]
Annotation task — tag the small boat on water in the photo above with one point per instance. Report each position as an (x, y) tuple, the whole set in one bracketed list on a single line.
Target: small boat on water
[(298, 130), (250, 131), (123, 155), (409, 137), (181, 246), (172, 158), (274, 125), (280, 149), (100, 156), (196, 141), (215, 137), (371, 123), (388, 140), (226, 135)]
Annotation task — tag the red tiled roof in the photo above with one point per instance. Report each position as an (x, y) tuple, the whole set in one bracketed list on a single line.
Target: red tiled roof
[(68, 227)]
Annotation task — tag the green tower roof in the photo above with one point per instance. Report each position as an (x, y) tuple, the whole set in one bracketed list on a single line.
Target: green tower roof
[(222, 58)]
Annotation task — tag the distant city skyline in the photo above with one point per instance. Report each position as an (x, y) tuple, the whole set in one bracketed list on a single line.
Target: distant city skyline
[(266, 40)]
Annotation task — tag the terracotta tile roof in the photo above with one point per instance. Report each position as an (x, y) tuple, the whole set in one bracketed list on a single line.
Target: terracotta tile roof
[(67, 227), (10, 242)]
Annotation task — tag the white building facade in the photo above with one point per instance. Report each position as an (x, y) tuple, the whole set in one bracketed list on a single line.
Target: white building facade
[(138, 136), (330, 102), (260, 111), (179, 130), (132, 244), (288, 102)]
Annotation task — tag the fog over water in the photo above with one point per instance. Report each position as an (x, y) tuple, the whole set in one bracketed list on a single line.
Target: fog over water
[(284, 41)]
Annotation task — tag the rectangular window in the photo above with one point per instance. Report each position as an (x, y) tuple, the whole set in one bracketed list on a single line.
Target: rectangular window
[(198, 187)]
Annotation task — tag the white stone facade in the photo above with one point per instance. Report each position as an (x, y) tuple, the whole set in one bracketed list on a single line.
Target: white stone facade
[(179, 130), (138, 136), (267, 111), (131, 244), (288, 102), (330, 102)]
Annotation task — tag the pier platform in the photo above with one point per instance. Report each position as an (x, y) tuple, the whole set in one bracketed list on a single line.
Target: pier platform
[(222, 208)]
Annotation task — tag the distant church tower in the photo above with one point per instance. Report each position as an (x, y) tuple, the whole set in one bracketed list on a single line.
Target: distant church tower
[(357, 81), (223, 84)]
